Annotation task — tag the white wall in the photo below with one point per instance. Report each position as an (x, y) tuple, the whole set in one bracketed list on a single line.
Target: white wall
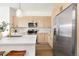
[(12, 12), (5, 15), (36, 13)]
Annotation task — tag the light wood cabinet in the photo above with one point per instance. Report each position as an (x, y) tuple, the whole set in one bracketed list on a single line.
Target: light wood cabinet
[(46, 37), (43, 37), (42, 21), (56, 9), (22, 21), (59, 7), (40, 38), (65, 5), (14, 22), (47, 22)]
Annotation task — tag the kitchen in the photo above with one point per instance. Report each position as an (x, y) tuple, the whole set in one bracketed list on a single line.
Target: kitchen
[(31, 26), (32, 30)]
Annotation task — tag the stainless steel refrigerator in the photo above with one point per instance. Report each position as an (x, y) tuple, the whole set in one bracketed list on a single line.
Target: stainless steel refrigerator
[(64, 43)]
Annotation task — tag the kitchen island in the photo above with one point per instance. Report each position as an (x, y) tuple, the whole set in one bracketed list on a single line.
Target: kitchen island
[(26, 42)]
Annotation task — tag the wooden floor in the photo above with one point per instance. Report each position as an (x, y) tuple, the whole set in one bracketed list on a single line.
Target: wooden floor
[(43, 50)]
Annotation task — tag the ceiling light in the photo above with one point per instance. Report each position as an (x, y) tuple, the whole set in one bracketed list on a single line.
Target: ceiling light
[(19, 11)]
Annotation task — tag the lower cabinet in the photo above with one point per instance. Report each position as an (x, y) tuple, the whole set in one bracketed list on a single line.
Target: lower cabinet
[(43, 37)]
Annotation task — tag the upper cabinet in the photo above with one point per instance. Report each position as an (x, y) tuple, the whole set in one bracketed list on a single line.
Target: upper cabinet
[(59, 7), (65, 5), (42, 21), (56, 9)]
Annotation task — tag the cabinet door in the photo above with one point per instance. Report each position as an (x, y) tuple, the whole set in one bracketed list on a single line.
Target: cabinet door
[(40, 38), (43, 37), (65, 5), (56, 9), (46, 37), (20, 22), (15, 22), (47, 22), (59, 7), (40, 21)]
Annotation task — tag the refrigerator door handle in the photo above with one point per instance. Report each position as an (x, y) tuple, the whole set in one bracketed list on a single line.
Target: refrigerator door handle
[(54, 31)]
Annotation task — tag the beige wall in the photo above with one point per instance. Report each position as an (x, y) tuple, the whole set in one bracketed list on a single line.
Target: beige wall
[(12, 13)]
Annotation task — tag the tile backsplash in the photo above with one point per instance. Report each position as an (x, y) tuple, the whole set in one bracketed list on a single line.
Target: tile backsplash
[(20, 30), (23, 30)]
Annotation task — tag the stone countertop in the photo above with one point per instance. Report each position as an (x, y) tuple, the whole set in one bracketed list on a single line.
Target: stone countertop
[(26, 39)]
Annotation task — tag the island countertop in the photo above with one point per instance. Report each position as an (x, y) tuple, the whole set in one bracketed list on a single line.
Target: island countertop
[(25, 42), (26, 39)]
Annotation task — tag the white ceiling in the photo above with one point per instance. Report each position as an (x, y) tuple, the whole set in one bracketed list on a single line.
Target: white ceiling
[(32, 9), (30, 6)]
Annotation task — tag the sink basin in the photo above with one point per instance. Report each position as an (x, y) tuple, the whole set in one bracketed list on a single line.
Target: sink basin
[(15, 36)]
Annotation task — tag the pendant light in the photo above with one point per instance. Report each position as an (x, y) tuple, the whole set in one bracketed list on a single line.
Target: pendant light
[(19, 11)]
